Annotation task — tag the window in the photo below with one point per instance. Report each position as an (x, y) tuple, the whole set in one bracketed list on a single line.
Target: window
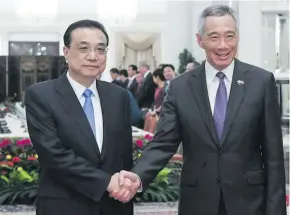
[(275, 42), (283, 93), (34, 48)]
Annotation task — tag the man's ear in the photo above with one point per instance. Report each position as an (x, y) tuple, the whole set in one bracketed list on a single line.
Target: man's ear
[(65, 52), (199, 40)]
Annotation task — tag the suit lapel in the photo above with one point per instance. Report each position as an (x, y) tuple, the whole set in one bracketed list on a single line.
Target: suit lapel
[(105, 105), (199, 89), (71, 103), (237, 93)]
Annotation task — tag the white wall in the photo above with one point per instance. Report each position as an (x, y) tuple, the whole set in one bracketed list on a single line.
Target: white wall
[(197, 7), (177, 35), (175, 21), (250, 47), (255, 40), (171, 20)]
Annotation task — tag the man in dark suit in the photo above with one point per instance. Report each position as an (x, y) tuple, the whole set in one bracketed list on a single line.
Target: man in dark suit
[(169, 74), (132, 85), (81, 138), (145, 96), (124, 78), (226, 114), (114, 72)]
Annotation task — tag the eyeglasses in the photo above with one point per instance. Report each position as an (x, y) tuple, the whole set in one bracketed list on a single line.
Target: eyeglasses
[(85, 49)]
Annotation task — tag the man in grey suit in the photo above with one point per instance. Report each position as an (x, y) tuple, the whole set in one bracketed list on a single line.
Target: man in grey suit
[(226, 114)]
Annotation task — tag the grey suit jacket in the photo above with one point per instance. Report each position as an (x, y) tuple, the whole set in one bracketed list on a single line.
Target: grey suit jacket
[(247, 165)]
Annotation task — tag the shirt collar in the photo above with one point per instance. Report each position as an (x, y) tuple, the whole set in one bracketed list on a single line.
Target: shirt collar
[(80, 89), (132, 78), (146, 73), (211, 71)]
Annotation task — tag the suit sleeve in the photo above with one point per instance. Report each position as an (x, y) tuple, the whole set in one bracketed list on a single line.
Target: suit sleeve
[(164, 144), (147, 92), (62, 163), (134, 109), (272, 152), (128, 149)]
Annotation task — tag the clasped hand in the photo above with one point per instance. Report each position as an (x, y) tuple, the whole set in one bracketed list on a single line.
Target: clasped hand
[(124, 186)]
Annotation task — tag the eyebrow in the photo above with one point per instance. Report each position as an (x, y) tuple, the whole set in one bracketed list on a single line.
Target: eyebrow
[(215, 33), (102, 44), (212, 33), (99, 44)]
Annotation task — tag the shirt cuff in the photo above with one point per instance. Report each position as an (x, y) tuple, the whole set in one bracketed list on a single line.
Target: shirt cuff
[(140, 189)]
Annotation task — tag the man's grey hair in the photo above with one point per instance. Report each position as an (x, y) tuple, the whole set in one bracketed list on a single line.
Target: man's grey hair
[(216, 10), (144, 64)]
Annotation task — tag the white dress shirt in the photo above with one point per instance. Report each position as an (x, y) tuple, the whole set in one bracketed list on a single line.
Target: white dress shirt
[(146, 73), (213, 82), (131, 79), (79, 90)]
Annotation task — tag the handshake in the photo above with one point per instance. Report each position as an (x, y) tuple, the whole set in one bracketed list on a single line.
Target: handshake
[(124, 186)]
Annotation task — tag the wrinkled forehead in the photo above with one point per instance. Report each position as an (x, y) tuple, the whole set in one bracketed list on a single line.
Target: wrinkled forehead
[(89, 36), (220, 25)]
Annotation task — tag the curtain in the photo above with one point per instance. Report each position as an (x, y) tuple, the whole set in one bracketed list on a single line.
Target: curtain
[(137, 47), (135, 57)]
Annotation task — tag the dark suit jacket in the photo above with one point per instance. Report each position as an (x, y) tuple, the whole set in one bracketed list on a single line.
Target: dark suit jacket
[(74, 172), (125, 83), (145, 97), (247, 165), (133, 87), (117, 82)]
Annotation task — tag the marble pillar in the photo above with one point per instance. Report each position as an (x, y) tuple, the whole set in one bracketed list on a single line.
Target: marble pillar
[(178, 32)]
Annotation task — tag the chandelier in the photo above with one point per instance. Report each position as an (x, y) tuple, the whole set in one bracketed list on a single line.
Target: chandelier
[(117, 13), (36, 11)]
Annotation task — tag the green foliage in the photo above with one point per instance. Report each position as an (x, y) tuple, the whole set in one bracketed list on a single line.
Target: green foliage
[(165, 187), (20, 194), (19, 173), (184, 58)]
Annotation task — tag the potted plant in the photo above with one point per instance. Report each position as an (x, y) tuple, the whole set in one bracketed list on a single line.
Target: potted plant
[(165, 187), (19, 172)]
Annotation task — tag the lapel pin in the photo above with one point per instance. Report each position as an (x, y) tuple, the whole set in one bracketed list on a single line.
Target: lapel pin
[(240, 82)]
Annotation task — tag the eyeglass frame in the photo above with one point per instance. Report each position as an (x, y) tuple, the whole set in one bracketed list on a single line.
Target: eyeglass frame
[(90, 49)]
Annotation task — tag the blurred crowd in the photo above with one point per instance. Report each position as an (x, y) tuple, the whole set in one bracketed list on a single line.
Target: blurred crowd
[(146, 89)]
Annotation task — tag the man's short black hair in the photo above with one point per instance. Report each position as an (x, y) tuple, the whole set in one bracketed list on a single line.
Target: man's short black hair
[(114, 70), (169, 65), (134, 67), (124, 72), (159, 73), (83, 24)]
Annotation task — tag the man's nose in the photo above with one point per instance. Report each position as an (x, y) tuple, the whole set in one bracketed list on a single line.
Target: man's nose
[(222, 44), (92, 55)]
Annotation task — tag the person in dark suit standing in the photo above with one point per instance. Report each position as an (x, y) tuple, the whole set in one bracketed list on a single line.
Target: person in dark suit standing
[(115, 75), (82, 139), (132, 85), (145, 97), (226, 114), (169, 74), (124, 78)]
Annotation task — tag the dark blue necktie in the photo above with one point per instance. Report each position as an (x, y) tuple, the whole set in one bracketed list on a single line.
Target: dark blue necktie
[(89, 109), (220, 107)]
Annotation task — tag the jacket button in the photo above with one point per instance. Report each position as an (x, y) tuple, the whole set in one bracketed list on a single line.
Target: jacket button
[(218, 180), (221, 153)]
